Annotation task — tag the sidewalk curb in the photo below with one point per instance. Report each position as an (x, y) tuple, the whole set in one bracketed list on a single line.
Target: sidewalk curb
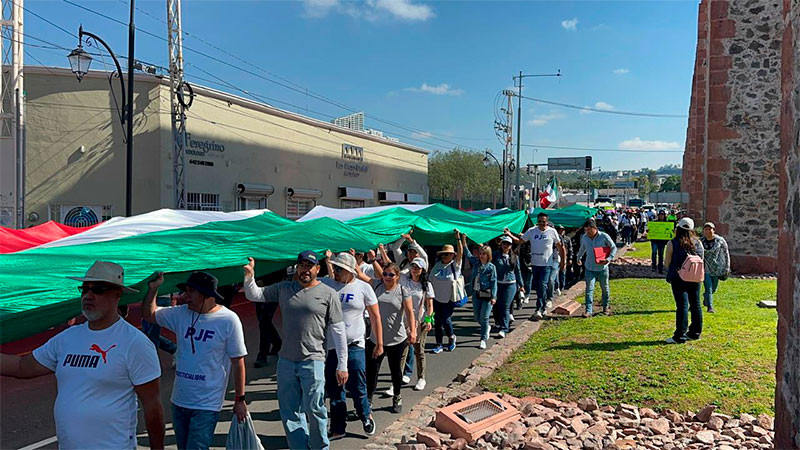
[(468, 380)]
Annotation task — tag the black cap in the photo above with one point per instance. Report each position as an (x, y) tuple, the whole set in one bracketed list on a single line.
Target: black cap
[(202, 282), (590, 223), (308, 255)]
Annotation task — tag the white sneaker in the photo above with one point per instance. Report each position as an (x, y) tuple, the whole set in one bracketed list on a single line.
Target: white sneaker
[(482, 345), (390, 392), (406, 379), (558, 291), (420, 385), (511, 317), (526, 300), (538, 315), (501, 334), (548, 305)]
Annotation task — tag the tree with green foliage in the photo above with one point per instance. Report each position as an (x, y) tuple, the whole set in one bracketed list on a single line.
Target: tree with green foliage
[(671, 184), (462, 170)]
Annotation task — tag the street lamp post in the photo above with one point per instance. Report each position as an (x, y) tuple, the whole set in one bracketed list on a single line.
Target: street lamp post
[(80, 60), (487, 162)]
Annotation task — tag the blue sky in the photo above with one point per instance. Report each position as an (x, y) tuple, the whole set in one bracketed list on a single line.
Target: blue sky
[(433, 67)]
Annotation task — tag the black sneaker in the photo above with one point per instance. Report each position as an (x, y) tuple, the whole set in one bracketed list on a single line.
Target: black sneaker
[(352, 416), (260, 362), (397, 404), (369, 426), (334, 437)]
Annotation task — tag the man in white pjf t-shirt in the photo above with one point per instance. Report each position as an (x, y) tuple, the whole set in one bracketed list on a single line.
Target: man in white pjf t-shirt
[(210, 340), (101, 366), (357, 298), (544, 239)]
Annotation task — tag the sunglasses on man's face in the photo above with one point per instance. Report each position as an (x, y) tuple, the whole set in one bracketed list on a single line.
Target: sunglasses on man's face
[(97, 289), (338, 269)]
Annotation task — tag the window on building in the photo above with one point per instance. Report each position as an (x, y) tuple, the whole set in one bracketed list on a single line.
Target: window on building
[(246, 203), (347, 204), (296, 209), (198, 201)]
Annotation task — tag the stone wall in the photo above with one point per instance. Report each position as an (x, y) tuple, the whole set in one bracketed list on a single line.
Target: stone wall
[(733, 140), (787, 391)]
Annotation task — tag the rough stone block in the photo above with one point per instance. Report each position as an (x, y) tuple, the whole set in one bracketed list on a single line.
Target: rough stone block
[(447, 420), (567, 308)]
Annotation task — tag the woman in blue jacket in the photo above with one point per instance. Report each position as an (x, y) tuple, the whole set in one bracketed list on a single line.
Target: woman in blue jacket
[(484, 285), (509, 279)]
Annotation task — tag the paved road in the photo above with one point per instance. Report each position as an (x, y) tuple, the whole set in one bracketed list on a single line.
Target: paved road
[(26, 407)]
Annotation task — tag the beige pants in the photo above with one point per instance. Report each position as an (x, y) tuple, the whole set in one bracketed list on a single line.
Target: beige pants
[(419, 349)]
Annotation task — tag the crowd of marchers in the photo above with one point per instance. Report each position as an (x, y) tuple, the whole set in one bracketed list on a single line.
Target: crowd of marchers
[(330, 321)]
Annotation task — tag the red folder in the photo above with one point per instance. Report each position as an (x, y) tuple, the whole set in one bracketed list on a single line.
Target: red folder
[(601, 253)]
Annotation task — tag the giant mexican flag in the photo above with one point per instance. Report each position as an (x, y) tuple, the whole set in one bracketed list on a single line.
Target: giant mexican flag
[(36, 295)]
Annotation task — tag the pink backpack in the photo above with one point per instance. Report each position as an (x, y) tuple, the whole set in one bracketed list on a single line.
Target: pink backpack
[(692, 270)]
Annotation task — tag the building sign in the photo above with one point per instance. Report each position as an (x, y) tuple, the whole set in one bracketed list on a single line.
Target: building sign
[(352, 169), (205, 148), (352, 152), (200, 162)]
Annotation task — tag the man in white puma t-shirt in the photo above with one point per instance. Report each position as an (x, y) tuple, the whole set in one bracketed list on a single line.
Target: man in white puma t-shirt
[(101, 366)]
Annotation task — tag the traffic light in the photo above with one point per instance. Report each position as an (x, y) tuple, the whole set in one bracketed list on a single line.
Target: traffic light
[(588, 163)]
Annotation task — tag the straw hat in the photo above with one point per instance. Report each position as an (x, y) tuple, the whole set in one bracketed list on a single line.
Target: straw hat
[(447, 248)]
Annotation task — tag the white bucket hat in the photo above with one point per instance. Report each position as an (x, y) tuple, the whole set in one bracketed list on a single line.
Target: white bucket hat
[(106, 272), (346, 261)]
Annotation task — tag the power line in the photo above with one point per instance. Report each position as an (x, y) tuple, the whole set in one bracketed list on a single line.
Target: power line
[(605, 111), (589, 149), (300, 90)]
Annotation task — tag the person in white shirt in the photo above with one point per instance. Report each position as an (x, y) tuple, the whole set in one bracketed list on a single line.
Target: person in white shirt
[(414, 250), (544, 240), (101, 367), (357, 298), (210, 341)]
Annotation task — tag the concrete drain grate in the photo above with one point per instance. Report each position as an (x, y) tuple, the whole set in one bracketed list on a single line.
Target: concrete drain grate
[(472, 418)]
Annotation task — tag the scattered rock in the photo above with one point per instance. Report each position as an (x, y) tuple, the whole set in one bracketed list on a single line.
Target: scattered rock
[(429, 437), (648, 413), (705, 437), (659, 426), (412, 447), (588, 404), (578, 426), (673, 416), (715, 423), (536, 444), (746, 419), (458, 444), (757, 431), (551, 403), (766, 422), (705, 413)]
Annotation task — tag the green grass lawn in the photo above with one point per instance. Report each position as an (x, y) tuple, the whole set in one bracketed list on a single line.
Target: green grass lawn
[(623, 358), (640, 250)]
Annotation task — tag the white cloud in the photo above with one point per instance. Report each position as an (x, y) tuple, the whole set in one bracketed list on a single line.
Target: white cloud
[(404, 9), (571, 24), (598, 105), (638, 144), (544, 119), (621, 71), (370, 9), (442, 89)]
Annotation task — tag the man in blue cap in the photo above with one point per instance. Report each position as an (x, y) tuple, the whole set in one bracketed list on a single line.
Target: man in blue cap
[(210, 340), (309, 310)]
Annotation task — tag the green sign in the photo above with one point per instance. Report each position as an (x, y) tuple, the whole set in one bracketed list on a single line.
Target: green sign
[(661, 231)]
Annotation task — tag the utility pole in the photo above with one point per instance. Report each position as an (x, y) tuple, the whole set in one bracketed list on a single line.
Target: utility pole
[(507, 153), (12, 116), (178, 103), (519, 107)]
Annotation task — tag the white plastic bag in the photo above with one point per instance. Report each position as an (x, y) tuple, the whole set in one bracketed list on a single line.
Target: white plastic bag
[(242, 435)]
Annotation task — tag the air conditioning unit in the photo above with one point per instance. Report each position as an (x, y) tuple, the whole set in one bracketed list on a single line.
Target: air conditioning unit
[(81, 215)]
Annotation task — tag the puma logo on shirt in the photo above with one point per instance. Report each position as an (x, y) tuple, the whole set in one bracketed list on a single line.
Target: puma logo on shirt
[(96, 348)]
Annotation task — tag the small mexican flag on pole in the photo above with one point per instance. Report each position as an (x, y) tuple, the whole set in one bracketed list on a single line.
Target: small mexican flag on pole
[(550, 194)]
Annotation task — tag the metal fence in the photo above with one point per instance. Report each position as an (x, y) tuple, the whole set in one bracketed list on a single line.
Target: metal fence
[(466, 204)]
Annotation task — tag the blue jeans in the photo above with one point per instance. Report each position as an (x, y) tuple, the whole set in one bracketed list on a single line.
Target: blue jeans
[(687, 300), (502, 309), (153, 332), (710, 284), (541, 274), (301, 400), (562, 278), (194, 428), (552, 282), (356, 385), (602, 277), (443, 320), (481, 310), (527, 280), (657, 255)]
